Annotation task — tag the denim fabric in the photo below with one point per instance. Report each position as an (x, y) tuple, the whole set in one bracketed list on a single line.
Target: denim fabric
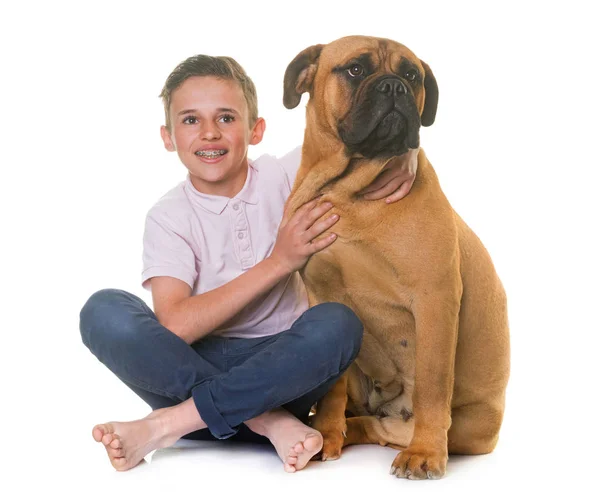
[(231, 380)]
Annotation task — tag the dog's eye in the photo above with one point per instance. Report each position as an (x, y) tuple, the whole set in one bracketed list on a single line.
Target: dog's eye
[(355, 70), (411, 75)]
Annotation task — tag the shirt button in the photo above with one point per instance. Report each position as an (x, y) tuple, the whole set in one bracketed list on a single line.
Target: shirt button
[(240, 235), (236, 207)]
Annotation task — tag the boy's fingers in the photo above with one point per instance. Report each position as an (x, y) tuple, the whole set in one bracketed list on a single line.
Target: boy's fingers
[(314, 214), (400, 193), (295, 218), (303, 209), (379, 182), (318, 228), (385, 190), (322, 243), (311, 203), (304, 206)]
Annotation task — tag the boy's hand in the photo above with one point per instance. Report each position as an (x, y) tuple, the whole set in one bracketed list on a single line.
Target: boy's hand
[(296, 237), (396, 178)]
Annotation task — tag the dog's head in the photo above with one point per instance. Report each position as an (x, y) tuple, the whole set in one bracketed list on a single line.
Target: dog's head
[(372, 93)]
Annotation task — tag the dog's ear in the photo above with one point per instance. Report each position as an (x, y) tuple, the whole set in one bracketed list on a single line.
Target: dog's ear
[(299, 75), (431, 97)]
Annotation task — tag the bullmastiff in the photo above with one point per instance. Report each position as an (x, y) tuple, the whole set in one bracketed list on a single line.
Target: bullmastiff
[(431, 375)]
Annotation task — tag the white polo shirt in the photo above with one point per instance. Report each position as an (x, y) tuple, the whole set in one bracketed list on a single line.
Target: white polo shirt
[(208, 240)]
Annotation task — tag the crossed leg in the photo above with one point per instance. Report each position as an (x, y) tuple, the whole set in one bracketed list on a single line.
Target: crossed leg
[(127, 443), (125, 335)]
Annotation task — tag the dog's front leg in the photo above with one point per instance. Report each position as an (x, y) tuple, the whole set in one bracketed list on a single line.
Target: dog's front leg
[(330, 419), (436, 317)]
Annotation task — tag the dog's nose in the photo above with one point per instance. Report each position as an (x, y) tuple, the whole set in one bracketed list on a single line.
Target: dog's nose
[(391, 87)]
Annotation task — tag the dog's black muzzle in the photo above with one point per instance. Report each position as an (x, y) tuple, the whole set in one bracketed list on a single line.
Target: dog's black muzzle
[(385, 123)]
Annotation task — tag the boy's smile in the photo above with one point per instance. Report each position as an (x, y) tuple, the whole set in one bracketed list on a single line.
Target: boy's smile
[(211, 154), (211, 133)]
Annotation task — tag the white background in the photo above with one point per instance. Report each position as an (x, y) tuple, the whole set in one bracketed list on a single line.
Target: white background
[(514, 145)]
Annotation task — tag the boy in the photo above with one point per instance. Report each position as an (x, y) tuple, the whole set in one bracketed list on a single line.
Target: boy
[(213, 360)]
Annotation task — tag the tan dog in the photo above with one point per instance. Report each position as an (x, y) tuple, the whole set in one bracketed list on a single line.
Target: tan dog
[(434, 364)]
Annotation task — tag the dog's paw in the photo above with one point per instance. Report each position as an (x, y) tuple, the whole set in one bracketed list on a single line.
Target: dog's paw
[(420, 464), (333, 442)]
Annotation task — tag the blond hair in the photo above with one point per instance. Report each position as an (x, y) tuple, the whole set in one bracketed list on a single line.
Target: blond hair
[(220, 67)]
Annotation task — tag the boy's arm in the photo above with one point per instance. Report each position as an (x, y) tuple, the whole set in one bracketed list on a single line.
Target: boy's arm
[(193, 317)]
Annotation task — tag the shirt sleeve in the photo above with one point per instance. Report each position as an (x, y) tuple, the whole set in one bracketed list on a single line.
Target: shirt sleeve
[(166, 252), (290, 163)]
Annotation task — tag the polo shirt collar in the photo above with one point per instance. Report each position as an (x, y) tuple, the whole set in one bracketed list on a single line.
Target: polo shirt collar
[(216, 203)]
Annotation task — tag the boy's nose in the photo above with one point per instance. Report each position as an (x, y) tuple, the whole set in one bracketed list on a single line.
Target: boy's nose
[(210, 131)]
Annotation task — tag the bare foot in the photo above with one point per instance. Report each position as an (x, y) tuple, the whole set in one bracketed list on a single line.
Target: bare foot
[(295, 442), (128, 443)]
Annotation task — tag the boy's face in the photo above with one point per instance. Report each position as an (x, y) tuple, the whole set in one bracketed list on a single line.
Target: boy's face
[(211, 134)]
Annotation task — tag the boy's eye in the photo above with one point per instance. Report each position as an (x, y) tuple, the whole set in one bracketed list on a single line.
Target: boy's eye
[(190, 120), (227, 118)]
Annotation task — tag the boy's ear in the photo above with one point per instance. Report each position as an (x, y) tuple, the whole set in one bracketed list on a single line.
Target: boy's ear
[(299, 75), (258, 131), (166, 138)]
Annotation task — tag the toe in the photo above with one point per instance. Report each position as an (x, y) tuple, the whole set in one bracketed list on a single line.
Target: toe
[(107, 438), (115, 453), (97, 434), (289, 468), (99, 431), (116, 443), (119, 463), (313, 443), (298, 448)]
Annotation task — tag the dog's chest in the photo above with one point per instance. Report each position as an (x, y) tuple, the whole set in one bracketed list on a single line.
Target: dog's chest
[(358, 265), (353, 271)]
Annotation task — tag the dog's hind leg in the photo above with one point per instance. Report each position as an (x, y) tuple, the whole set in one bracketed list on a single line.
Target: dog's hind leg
[(392, 431), (475, 428)]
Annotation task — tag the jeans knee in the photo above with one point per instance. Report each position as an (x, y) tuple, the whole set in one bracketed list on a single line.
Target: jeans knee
[(345, 329), (100, 315)]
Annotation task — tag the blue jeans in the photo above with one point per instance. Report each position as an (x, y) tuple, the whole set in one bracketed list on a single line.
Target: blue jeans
[(231, 380)]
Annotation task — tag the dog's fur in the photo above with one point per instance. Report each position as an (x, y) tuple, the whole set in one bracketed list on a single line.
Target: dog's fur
[(433, 368)]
